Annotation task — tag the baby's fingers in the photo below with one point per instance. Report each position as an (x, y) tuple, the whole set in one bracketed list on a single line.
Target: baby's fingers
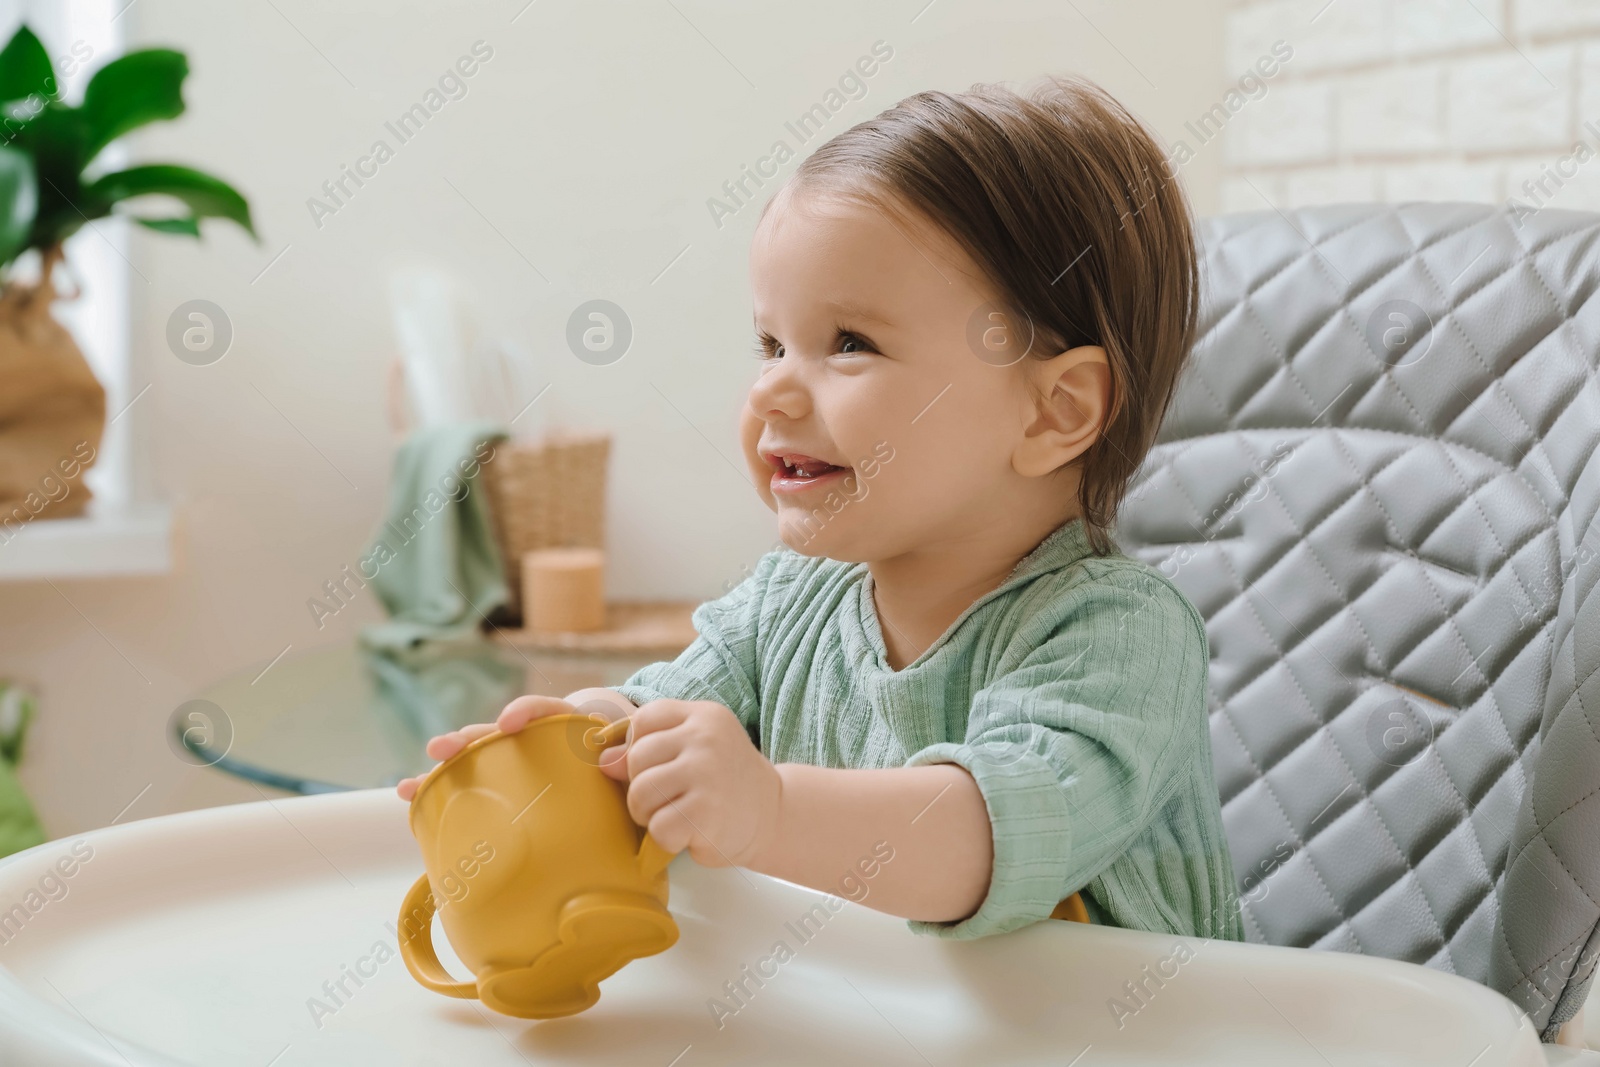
[(446, 745), (516, 715), (524, 710)]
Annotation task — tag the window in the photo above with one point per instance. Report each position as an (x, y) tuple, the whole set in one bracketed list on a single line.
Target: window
[(123, 532)]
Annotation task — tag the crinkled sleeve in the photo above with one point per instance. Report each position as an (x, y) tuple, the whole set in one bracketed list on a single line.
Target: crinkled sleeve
[(1078, 745), (723, 663)]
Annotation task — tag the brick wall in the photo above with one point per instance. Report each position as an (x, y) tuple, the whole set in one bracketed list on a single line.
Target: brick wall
[(1417, 100)]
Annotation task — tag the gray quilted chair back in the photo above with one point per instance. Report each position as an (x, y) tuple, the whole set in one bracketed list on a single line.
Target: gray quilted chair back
[(1378, 485)]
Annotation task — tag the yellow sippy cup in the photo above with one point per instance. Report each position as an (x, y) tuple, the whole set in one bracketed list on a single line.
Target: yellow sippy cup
[(543, 882)]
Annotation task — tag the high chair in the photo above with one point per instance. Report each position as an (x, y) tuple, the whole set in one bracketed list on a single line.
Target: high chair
[(1377, 485)]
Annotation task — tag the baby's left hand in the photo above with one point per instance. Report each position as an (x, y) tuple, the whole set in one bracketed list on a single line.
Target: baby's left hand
[(697, 783)]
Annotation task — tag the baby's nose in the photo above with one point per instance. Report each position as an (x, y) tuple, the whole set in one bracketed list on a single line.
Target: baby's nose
[(782, 398)]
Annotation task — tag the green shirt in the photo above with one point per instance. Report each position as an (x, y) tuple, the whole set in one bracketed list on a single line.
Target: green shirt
[(1075, 695)]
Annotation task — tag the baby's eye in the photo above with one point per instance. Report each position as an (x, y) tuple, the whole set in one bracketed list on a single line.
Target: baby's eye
[(768, 348), (853, 344)]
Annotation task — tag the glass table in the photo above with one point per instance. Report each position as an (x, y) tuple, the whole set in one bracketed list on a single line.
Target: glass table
[(348, 717)]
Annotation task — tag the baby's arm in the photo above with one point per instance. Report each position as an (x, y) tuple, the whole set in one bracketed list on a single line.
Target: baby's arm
[(833, 823), (699, 784), (810, 825)]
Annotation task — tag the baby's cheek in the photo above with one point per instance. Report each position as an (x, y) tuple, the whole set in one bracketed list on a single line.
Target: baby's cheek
[(923, 487), (750, 427)]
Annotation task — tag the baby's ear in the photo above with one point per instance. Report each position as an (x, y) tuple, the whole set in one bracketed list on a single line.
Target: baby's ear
[(1066, 412), (749, 440)]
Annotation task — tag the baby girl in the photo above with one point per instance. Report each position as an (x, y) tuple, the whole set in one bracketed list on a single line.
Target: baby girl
[(971, 313)]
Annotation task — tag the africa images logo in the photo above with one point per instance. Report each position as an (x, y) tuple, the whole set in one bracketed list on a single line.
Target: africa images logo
[(852, 84), (452, 85)]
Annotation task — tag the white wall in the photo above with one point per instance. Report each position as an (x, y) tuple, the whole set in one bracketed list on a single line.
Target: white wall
[(1420, 100), (587, 147)]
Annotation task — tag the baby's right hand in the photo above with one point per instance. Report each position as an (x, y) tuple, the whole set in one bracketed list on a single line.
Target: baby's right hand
[(513, 717)]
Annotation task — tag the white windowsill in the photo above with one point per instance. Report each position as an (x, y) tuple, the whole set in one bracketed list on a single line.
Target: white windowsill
[(109, 540)]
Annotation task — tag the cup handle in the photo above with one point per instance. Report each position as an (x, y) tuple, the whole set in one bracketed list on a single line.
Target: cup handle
[(417, 948), (653, 859)]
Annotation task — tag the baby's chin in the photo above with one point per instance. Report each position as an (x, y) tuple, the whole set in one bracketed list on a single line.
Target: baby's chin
[(832, 541)]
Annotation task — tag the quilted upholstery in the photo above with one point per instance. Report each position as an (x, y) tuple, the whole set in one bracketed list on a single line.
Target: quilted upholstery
[(1377, 485)]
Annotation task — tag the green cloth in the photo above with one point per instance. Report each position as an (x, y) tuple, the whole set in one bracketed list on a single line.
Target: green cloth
[(434, 562), (1075, 694), (19, 825)]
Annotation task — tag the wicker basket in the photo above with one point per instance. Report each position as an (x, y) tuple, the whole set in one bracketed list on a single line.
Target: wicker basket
[(548, 493)]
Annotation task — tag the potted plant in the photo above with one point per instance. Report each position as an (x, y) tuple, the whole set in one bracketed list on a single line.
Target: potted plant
[(52, 409)]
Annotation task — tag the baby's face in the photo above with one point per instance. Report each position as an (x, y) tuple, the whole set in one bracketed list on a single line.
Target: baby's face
[(896, 414)]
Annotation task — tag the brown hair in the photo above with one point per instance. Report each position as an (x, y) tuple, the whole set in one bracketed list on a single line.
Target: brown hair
[(1068, 205)]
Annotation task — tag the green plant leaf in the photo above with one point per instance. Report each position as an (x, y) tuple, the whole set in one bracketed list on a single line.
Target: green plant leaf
[(19, 202), (140, 87), (206, 197), (189, 227), (25, 68), (55, 139)]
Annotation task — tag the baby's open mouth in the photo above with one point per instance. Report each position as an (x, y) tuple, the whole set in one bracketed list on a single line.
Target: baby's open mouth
[(794, 470)]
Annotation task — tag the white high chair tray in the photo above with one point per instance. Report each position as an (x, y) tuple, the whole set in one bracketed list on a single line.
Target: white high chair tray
[(206, 938)]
